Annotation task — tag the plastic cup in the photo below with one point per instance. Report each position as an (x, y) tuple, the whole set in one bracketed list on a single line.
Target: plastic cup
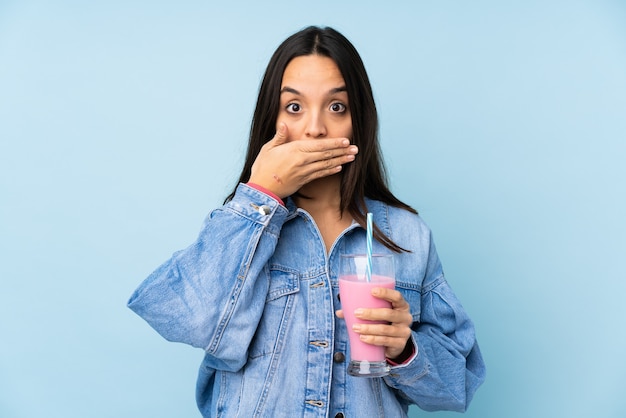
[(366, 360)]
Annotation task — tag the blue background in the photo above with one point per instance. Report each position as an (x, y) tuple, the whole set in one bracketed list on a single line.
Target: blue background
[(122, 123)]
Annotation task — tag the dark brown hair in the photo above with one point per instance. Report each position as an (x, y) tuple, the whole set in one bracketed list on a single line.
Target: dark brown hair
[(364, 177)]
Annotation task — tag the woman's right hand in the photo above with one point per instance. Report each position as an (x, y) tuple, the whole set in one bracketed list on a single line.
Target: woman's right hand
[(284, 166)]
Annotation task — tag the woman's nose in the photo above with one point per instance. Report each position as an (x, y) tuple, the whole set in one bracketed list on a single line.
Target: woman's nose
[(315, 127)]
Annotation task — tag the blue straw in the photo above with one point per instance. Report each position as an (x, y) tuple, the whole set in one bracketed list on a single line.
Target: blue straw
[(369, 232)]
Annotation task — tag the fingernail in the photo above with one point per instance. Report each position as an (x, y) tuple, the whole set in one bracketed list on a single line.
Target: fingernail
[(346, 142), (358, 312), (356, 328), (353, 149)]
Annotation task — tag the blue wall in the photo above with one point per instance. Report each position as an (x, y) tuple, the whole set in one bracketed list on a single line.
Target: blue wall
[(123, 123)]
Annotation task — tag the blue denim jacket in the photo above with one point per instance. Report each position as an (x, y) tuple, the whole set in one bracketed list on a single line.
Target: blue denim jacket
[(258, 292)]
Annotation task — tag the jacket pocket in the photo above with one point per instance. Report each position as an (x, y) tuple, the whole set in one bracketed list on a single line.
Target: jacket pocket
[(277, 314), (283, 281), (413, 296)]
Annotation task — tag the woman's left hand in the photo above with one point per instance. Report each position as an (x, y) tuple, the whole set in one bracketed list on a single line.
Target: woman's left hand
[(393, 335)]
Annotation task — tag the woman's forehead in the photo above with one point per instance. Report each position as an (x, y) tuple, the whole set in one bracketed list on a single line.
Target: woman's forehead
[(312, 69)]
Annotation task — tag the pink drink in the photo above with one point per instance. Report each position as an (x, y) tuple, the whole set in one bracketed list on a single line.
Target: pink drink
[(357, 293)]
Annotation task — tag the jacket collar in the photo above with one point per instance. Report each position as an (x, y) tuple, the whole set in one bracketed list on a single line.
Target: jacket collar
[(379, 210)]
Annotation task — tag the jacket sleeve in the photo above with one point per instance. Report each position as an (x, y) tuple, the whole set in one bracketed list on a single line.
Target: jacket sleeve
[(447, 368), (212, 294)]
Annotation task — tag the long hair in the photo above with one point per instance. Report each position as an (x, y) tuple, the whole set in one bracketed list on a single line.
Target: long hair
[(366, 176)]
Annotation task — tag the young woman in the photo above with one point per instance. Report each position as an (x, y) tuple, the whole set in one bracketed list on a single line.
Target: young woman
[(258, 289)]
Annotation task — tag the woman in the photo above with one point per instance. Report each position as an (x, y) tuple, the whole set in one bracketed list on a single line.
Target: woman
[(258, 289)]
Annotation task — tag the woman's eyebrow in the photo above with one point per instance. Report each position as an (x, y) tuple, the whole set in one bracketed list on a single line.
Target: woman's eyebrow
[(287, 89), (338, 90)]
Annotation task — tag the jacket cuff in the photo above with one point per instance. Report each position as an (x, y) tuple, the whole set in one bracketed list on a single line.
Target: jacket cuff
[(414, 368), (267, 192), (407, 354), (258, 207)]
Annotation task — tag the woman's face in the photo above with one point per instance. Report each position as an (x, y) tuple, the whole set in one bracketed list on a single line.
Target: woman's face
[(314, 100)]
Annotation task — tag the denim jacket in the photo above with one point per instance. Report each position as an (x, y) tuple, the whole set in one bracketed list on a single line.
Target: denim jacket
[(258, 291)]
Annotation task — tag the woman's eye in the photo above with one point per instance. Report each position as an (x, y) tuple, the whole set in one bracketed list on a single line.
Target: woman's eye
[(337, 107), (293, 107)]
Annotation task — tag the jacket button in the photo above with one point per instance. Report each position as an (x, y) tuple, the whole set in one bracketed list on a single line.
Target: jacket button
[(339, 357), (339, 415), (265, 210)]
